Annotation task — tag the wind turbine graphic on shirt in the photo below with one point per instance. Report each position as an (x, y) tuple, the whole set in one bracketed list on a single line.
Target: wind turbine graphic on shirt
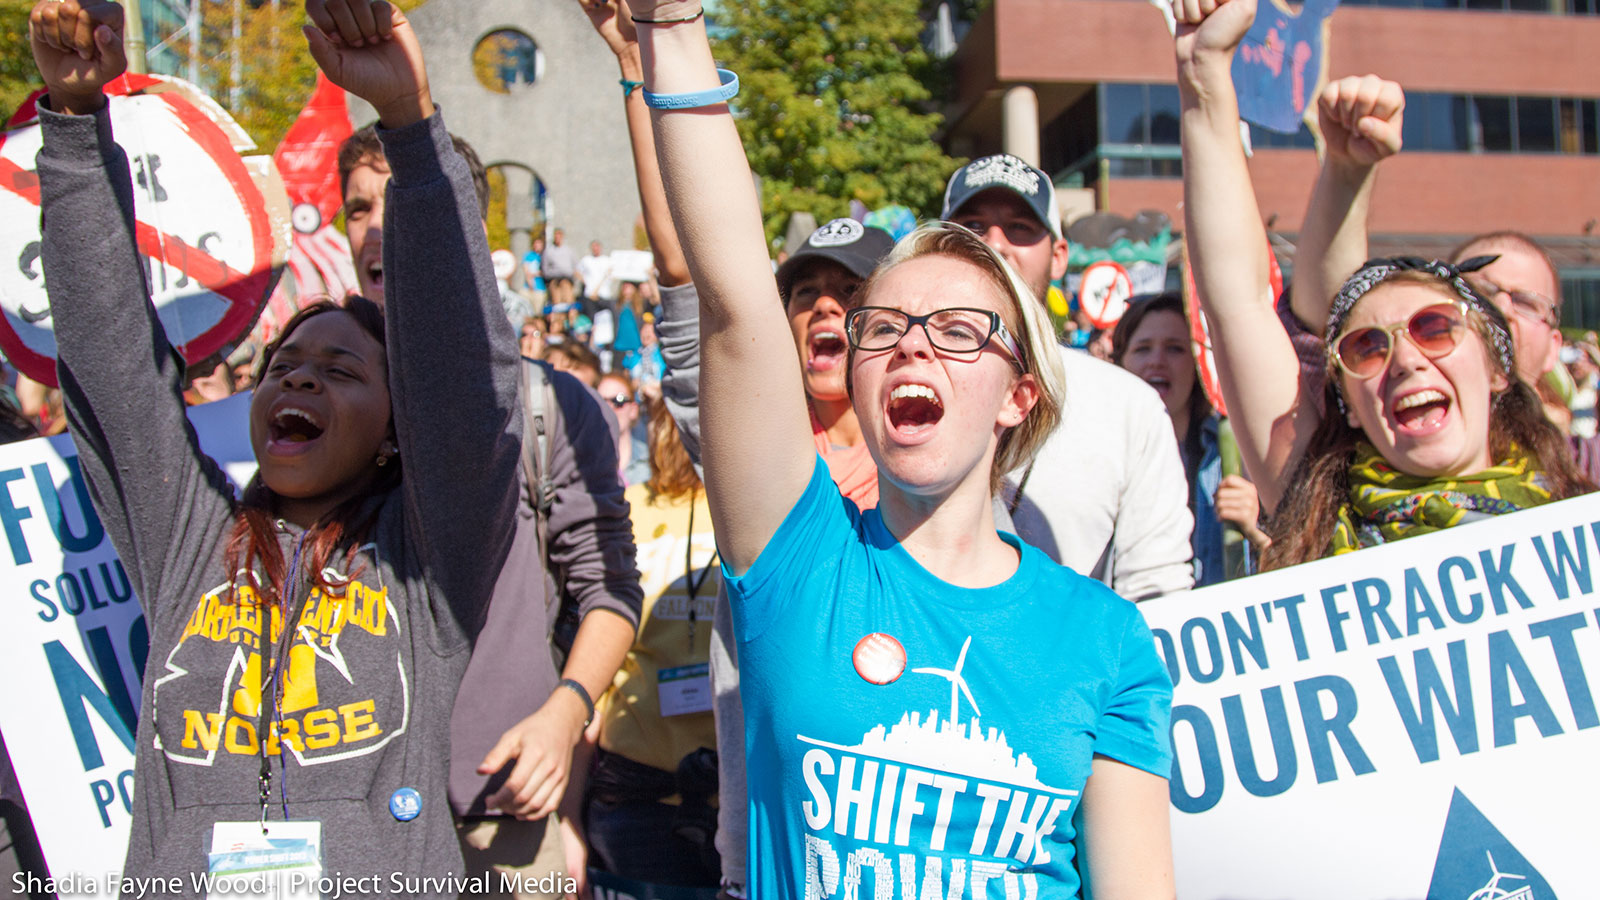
[(957, 683)]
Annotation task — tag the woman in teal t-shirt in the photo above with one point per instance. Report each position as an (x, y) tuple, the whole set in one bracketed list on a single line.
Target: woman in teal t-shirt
[(931, 705)]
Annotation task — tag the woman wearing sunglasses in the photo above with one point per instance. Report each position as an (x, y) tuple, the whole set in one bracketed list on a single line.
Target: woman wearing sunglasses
[(928, 701), (1421, 424)]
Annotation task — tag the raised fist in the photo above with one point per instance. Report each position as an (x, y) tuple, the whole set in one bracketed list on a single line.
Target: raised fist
[(367, 47), (1361, 118), (611, 20), (77, 45), (1211, 27)]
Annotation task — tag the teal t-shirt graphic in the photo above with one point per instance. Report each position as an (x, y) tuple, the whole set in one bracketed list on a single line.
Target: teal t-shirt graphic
[(960, 777)]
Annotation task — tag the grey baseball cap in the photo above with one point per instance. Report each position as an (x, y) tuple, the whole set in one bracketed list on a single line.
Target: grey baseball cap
[(1009, 172)]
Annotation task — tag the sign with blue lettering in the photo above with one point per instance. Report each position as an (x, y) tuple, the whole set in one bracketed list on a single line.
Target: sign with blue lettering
[(1416, 719), (73, 634)]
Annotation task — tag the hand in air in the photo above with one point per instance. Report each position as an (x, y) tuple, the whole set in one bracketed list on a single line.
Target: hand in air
[(611, 21), (1361, 118), (658, 10), (368, 48), (77, 47), (1211, 28)]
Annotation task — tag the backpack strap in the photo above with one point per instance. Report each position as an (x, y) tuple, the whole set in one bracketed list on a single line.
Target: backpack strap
[(538, 399)]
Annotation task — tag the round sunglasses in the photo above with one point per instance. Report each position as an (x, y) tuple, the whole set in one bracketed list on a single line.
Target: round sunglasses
[(1434, 330)]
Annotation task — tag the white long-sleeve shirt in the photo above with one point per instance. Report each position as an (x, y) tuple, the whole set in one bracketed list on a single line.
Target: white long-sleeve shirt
[(1107, 495)]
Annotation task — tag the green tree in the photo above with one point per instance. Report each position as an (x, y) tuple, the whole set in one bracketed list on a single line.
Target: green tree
[(834, 105), (18, 77)]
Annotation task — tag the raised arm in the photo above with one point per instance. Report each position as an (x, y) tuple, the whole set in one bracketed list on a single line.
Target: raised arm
[(679, 327), (1361, 120), (611, 21), (452, 357), (756, 441), (120, 379), (1228, 248)]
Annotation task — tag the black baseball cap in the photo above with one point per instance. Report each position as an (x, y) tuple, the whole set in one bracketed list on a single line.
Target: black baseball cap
[(1004, 171), (857, 247)]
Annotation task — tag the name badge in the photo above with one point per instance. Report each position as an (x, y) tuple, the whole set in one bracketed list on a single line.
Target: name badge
[(684, 690), (280, 861)]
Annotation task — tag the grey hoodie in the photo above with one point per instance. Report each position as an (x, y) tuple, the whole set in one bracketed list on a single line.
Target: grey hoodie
[(372, 670)]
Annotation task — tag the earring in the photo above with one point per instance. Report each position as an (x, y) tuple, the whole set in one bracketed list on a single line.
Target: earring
[(383, 459)]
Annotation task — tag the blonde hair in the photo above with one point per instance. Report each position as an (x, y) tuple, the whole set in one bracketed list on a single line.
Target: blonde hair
[(1025, 318)]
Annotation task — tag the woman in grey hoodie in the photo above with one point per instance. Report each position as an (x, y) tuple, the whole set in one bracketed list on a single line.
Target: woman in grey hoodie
[(306, 640)]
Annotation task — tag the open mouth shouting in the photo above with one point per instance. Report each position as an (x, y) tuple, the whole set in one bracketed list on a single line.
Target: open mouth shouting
[(825, 350), (913, 410), (292, 430), (1421, 412), (373, 269)]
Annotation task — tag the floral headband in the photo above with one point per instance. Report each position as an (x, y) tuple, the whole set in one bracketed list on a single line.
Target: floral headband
[(1376, 271)]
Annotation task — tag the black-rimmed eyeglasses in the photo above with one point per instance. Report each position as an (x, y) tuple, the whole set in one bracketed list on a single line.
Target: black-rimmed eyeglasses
[(958, 330)]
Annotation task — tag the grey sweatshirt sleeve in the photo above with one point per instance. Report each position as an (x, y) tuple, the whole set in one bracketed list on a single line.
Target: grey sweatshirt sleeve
[(160, 499), (591, 534), (452, 372), (679, 333)]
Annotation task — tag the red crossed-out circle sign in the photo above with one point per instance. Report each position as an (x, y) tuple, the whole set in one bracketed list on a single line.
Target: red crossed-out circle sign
[(1103, 292), (1200, 329), (203, 227)]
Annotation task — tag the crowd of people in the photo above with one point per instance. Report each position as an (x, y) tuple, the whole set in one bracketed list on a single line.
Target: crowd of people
[(635, 565)]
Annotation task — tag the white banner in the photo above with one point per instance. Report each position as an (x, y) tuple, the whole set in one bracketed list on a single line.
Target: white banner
[(72, 650), (1414, 720)]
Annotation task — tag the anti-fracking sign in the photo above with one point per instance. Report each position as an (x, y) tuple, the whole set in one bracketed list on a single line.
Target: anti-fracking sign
[(212, 227), (1412, 720)]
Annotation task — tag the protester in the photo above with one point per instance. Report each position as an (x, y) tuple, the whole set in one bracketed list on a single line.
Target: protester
[(560, 266), (1151, 340), (943, 425), (399, 566), (516, 306), (650, 806), (533, 273), (517, 721), (594, 271), (633, 450), (1423, 422), (1105, 495), (574, 357)]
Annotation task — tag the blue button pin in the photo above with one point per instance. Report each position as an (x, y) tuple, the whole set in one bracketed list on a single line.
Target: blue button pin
[(405, 804)]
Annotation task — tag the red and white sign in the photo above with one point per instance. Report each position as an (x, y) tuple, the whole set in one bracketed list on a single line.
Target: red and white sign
[(1200, 331), (1103, 293), (205, 230)]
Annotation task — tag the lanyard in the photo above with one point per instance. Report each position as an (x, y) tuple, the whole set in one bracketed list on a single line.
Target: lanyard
[(268, 679), (688, 572)]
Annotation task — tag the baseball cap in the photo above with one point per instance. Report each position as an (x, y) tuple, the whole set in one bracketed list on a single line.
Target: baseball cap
[(847, 242), (1004, 171)]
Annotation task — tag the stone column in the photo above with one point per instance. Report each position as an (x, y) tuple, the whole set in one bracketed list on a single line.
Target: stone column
[(1019, 128)]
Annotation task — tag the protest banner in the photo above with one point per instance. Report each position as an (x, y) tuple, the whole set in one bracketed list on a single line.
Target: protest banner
[(1413, 720), (72, 649), (1282, 63), (212, 227)]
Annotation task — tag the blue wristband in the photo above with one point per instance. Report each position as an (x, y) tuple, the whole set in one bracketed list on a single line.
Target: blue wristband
[(729, 88)]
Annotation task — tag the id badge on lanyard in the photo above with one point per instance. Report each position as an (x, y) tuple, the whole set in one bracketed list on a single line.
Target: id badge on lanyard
[(265, 861)]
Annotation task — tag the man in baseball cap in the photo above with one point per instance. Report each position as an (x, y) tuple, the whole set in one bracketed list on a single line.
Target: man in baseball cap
[(1106, 495)]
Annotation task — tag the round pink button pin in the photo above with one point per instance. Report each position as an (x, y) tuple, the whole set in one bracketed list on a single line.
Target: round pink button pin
[(879, 658)]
